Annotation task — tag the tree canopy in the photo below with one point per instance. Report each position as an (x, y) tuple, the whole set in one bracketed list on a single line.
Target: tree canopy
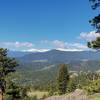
[(95, 22), (7, 65), (63, 78)]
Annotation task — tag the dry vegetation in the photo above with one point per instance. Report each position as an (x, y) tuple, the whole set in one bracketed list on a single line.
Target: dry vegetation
[(38, 94), (77, 95)]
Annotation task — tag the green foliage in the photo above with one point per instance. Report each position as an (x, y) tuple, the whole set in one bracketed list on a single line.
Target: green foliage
[(96, 23), (96, 20), (93, 87), (16, 92), (62, 79), (94, 78), (91, 76), (82, 79), (7, 65), (13, 91), (34, 97), (53, 88), (94, 44), (94, 3), (72, 86)]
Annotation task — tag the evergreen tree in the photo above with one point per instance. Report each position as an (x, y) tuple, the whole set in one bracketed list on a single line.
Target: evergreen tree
[(94, 3), (7, 65), (96, 20), (94, 44), (16, 92), (63, 78), (13, 91), (96, 23)]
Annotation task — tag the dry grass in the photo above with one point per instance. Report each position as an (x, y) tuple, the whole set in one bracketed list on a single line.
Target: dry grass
[(95, 97), (39, 94)]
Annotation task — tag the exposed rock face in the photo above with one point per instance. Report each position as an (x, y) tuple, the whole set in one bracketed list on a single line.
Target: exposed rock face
[(77, 95)]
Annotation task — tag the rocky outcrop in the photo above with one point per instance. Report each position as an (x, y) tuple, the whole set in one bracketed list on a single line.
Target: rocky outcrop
[(77, 95)]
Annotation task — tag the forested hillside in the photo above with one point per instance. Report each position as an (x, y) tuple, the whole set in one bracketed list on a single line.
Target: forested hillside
[(38, 66)]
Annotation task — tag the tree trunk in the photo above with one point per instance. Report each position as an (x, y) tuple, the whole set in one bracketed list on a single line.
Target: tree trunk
[(1, 94)]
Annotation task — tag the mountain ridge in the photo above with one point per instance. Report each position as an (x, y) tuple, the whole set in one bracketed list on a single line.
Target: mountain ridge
[(61, 56)]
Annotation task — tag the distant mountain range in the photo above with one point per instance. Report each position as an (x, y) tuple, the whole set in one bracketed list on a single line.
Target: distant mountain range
[(56, 55), (38, 66), (17, 53)]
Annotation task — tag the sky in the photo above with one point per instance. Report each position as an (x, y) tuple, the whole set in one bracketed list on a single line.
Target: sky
[(41, 25)]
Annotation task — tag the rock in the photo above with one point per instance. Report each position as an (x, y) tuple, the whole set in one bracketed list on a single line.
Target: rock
[(79, 92), (76, 95)]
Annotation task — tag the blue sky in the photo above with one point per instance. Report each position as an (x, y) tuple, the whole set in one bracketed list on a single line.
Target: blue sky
[(45, 24)]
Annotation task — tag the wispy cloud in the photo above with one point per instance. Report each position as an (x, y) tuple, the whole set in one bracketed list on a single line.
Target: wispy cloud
[(88, 36), (65, 46), (46, 45), (16, 45), (59, 44)]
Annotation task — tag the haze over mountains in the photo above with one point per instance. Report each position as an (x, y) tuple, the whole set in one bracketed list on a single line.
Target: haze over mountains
[(56, 55), (78, 60), (38, 66)]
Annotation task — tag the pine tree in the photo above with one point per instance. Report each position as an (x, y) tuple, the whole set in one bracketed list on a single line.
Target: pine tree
[(13, 91), (63, 78), (7, 65), (95, 22), (94, 3)]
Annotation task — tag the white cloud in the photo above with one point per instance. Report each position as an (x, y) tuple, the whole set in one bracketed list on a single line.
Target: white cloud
[(59, 44), (55, 44), (65, 46), (69, 49), (89, 36), (16, 45), (76, 46), (36, 50)]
